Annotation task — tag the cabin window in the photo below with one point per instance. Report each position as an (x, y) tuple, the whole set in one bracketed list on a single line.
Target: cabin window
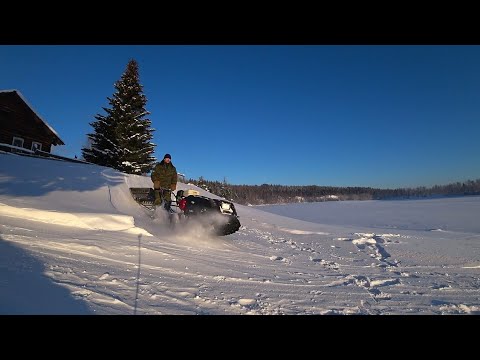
[(36, 146), (17, 141)]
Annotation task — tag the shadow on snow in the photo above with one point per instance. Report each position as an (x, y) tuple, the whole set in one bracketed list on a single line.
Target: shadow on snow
[(31, 179), (25, 290)]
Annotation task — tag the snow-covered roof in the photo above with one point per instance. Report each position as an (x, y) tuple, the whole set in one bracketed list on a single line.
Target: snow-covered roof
[(35, 112)]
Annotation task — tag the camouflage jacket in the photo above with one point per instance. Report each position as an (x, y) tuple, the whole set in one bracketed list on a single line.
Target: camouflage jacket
[(164, 176)]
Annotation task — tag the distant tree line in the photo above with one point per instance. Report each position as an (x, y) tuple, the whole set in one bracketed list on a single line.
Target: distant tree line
[(282, 194)]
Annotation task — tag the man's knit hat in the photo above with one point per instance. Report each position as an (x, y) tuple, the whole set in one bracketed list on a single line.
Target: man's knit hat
[(168, 156)]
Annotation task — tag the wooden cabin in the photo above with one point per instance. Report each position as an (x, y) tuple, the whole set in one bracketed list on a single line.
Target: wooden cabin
[(21, 127)]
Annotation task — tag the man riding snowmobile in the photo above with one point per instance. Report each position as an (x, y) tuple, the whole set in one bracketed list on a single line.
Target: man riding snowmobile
[(216, 215), (164, 178)]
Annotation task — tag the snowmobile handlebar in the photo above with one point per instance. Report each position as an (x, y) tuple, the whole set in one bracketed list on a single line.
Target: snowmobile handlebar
[(163, 189), (175, 194)]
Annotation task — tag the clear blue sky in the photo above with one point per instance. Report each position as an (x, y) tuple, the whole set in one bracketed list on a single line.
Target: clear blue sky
[(379, 116)]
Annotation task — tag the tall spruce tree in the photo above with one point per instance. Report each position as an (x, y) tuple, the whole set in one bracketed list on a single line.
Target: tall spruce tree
[(121, 138)]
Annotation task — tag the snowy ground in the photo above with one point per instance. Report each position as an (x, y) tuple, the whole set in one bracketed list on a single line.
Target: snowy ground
[(73, 241)]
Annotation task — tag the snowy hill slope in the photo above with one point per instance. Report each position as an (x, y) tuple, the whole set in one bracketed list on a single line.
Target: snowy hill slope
[(72, 240)]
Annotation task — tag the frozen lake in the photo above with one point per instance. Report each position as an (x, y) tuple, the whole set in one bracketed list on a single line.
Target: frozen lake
[(459, 214)]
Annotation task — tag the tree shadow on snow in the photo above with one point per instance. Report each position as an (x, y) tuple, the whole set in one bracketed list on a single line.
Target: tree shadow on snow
[(37, 177), (24, 289)]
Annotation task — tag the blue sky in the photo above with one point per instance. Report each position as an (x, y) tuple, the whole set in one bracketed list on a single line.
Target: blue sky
[(379, 116)]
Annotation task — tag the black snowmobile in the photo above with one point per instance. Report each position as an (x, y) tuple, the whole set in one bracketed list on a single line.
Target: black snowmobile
[(217, 215)]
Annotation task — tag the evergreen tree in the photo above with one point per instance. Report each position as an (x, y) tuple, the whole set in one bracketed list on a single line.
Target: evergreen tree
[(121, 138), (101, 148)]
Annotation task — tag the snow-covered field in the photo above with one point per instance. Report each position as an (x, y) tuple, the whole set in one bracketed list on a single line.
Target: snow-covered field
[(73, 241)]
